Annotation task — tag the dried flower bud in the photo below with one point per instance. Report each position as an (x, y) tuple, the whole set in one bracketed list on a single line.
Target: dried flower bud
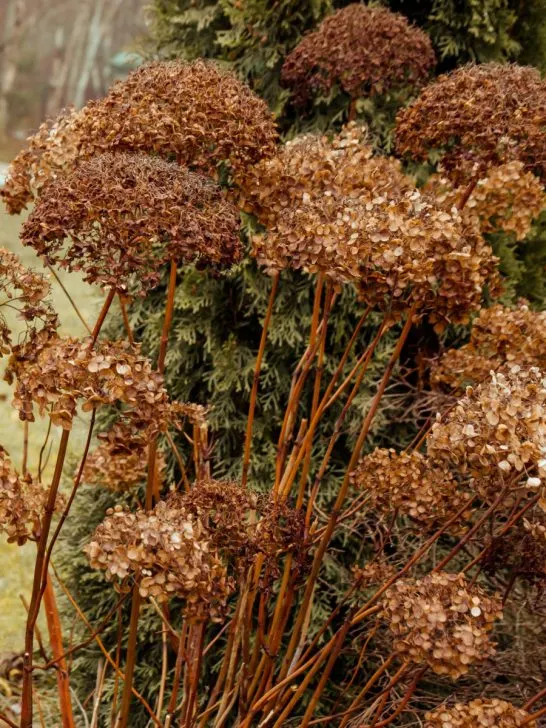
[(493, 713), (125, 215), (497, 430), (441, 621), (120, 461), (195, 112), (22, 500), (507, 199), (410, 484), (168, 552), (63, 372), (499, 335), (393, 54), (479, 116), (26, 291)]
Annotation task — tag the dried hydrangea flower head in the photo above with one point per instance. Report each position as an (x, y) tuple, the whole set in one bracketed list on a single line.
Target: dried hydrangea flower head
[(410, 484), (64, 372), (168, 552), (479, 116), (366, 50), (374, 572), (223, 507), (120, 461), (195, 112), (22, 500), (521, 550), (487, 713), (442, 621), (497, 431), (126, 214), (25, 291), (499, 335), (54, 148), (508, 199)]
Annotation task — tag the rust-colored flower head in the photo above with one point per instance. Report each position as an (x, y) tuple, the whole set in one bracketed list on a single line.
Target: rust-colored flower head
[(499, 335), (487, 713), (410, 484), (374, 572), (508, 199), (195, 112), (64, 372), (22, 500), (497, 431), (521, 550), (25, 291), (366, 50), (478, 116), (120, 461), (442, 621), (126, 214), (223, 508), (168, 552)]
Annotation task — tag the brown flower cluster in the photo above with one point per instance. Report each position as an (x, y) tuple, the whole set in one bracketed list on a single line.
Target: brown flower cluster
[(120, 461), (331, 206), (374, 572), (442, 621), (63, 372), (521, 550), (479, 116), (366, 50), (499, 335), (487, 713), (507, 199), (126, 214), (26, 291), (54, 148), (21, 503), (195, 112), (168, 552), (497, 430), (410, 484)]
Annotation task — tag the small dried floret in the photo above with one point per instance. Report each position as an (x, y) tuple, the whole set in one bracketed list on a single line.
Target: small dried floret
[(499, 335), (126, 214), (478, 116), (366, 50), (120, 461), (374, 572), (22, 500), (442, 621), (195, 414), (62, 372), (497, 430), (508, 199), (168, 552), (26, 291), (409, 483), (196, 112), (487, 713)]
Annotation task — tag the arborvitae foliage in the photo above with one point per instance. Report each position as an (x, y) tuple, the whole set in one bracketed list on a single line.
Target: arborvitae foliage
[(215, 331)]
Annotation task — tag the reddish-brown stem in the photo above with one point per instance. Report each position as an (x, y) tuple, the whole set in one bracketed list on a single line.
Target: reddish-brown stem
[(34, 606), (56, 641), (405, 700), (541, 694), (72, 302), (125, 317), (130, 659), (167, 320), (353, 707), (102, 316), (180, 657), (25, 448), (255, 382), (534, 716), (195, 658), (7, 721), (468, 191)]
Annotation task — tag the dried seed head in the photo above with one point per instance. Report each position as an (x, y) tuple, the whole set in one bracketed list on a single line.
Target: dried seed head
[(120, 461), (26, 291), (195, 112), (441, 621), (499, 335), (393, 54), (409, 483), (126, 214), (62, 372), (22, 500), (478, 116), (507, 199), (168, 552), (487, 713), (496, 431)]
